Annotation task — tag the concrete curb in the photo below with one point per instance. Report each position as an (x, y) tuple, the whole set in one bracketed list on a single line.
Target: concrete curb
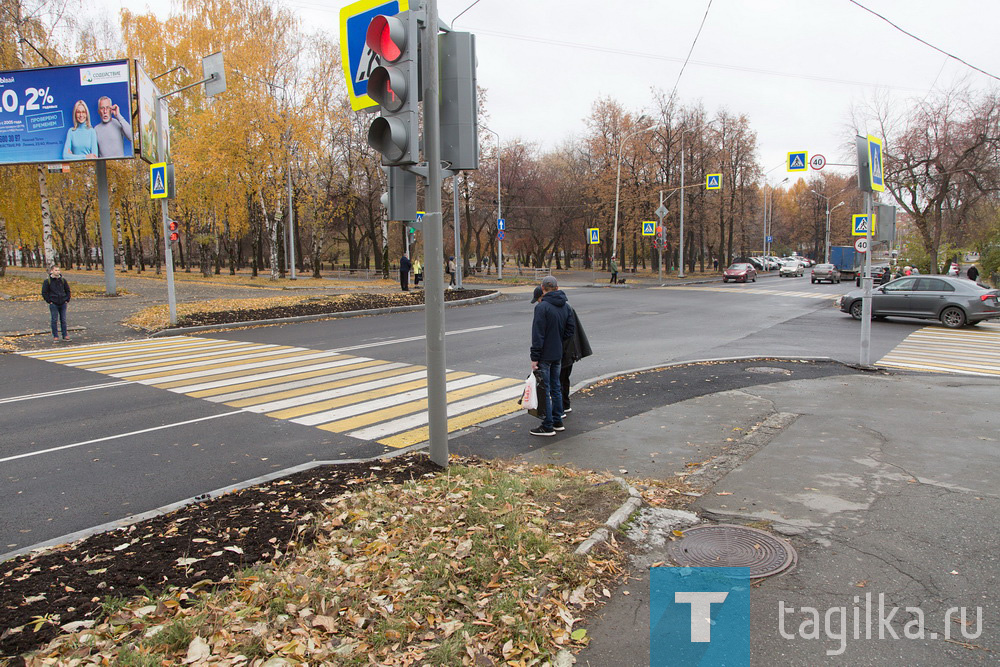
[(321, 316), (614, 522)]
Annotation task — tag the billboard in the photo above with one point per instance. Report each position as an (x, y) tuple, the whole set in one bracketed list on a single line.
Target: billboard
[(66, 113), (149, 134)]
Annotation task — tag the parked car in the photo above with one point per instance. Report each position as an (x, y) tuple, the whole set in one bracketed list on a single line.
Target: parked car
[(740, 273), (792, 267), (955, 301), (824, 272), (772, 262), (757, 263)]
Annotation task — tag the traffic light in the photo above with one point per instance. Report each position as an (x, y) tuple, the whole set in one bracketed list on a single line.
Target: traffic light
[(459, 101), (394, 85), (401, 199), (174, 234)]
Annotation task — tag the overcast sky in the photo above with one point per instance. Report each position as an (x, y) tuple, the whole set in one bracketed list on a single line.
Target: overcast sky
[(794, 67)]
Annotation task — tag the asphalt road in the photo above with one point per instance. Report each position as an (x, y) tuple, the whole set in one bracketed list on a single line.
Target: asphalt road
[(79, 448)]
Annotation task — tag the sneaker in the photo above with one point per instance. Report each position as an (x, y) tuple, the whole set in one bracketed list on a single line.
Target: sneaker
[(55, 340), (567, 410), (541, 430), (558, 426), (66, 338)]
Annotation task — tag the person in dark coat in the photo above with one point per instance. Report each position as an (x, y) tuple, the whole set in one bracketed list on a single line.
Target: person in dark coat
[(575, 347), (404, 272), (56, 292), (552, 323), (973, 273)]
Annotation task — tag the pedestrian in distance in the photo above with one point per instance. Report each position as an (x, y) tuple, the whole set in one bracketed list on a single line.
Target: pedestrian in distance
[(972, 273), (404, 272), (452, 268), (56, 292), (575, 347), (418, 272), (614, 271), (552, 323)]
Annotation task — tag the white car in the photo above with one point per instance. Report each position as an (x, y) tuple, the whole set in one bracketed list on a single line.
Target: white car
[(791, 268)]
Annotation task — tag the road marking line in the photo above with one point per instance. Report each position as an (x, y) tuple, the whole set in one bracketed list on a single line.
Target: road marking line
[(60, 392), (414, 338), (370, 369), (168, 374), (422, 433), (85, 353), (241, 370), (351, 399), (140, 361), (352, 386), (218, 386)]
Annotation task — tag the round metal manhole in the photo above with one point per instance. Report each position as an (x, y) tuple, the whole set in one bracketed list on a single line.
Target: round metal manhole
[(726, 545), (768, 370)]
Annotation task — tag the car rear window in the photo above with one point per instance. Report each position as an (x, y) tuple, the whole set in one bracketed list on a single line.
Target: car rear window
[(934, 285)]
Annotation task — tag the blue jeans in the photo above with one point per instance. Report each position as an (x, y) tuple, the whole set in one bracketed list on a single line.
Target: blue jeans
[(553, 395), (58, 313)]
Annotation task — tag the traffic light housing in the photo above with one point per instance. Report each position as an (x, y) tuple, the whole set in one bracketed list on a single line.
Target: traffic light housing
[(394, 86), (174, 235), (459, 100), (400, 200)]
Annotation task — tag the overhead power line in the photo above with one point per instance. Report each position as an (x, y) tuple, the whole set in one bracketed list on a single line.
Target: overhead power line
[(691, 50), (922, 41)]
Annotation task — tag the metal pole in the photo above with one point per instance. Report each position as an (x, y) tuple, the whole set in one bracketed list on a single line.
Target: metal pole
[(291, 226), (437, 399), (458, 235), (168, 253), (618, 186), (763, 240), (660, 263), (499, 215), (866, 299), (107, 240), (680, 270), (826, 255)]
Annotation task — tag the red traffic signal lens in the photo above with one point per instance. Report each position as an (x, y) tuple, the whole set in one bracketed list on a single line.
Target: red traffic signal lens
[(386, 36), (172, 225), (387, 86), (174, 236)]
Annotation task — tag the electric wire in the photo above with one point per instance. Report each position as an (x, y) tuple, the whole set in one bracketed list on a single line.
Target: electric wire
[(691, 50)]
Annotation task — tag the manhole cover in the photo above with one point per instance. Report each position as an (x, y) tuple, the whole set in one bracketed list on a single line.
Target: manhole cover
[(769, 370), (733, 546)]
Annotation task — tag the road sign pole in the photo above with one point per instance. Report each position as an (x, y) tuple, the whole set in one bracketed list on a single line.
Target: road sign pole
[(458, 234), (107, 241), (660, 262), (168, 254), (866, 300)]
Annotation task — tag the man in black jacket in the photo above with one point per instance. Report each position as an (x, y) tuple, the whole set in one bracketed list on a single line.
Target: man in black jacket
[(404, 272), (575, 347), (552, 323), (55, 291)]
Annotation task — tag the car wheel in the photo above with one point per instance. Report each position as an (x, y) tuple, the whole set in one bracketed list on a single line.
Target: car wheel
[(813, 281), (953, 318), (856, 309), (725, 280), (754, 279)]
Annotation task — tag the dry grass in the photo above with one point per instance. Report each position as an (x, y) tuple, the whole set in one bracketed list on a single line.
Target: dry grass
[(30, 289), (158, 317)]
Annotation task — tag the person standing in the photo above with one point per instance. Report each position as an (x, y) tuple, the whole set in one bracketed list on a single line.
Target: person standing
[(418, 272), (973, 273), (56, 292), (404, 272), (451, 271), (575, 347), (614, 271), (553, 322)]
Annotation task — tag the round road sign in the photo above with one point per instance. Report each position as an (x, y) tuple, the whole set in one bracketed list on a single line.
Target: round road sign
[(861, 245), (817, 161), (500, 235)]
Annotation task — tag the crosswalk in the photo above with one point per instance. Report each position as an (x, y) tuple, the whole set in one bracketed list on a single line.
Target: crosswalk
[(968, 351), (362, 397), (752, 290)]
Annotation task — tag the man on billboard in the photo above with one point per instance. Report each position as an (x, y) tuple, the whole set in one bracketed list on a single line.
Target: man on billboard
[(112, 131)]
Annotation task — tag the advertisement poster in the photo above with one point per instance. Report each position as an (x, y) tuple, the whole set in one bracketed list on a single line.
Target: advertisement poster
[(148, 132), (61, 114)]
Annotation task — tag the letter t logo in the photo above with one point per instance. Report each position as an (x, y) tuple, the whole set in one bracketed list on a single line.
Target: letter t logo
[(701, 612)]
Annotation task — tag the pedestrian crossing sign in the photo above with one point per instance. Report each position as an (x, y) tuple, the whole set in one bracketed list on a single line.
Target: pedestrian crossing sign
[(594, 235), (798, 161), (713, 182), (158, 180), (875, 164), (648, 228), (859, 225)]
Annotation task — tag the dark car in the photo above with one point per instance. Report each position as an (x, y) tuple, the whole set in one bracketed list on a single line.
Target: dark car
[(740, 272), (954, 301), (823, 272), (882, 274)]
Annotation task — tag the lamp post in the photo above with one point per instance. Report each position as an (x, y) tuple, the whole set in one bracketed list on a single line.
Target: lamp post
[(618, 181), (826, 256), (680, 231), (499, 209), (766, 216)]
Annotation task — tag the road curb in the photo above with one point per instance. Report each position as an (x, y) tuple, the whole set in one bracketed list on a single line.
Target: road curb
[(181, 331), (614, 522)]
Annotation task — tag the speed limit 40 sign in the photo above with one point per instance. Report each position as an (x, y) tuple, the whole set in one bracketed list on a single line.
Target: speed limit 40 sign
[(861, 245)]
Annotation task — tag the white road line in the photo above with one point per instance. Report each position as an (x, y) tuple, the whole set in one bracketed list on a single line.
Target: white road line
[(387, 402), (420, 419), (114, 437), (229, 369), (169, 365), (413, 338), (286, 403), (105, 356), (169, 357), (298, 384), (61, 392), (214, 384)]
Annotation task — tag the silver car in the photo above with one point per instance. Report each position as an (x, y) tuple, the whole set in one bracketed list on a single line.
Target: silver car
[(955, 301), (823, 272)]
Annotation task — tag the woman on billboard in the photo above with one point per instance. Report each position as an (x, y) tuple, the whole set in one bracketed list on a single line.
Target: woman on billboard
[(81, 139)]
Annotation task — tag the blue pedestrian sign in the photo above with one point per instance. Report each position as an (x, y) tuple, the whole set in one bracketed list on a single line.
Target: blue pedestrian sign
[(798, 161), (875, 164), (594, 235), (648, 228), (713, 182), (859, 225), (356, 58), (158, 180), (501, 224), (420, 216)]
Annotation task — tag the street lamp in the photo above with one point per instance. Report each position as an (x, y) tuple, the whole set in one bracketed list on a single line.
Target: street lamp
[(618, 180), (766, 226), (828, 210), (680, 271), (499, 214)]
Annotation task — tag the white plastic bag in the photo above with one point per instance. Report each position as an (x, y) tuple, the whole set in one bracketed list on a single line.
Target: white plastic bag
[(529, 397)]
